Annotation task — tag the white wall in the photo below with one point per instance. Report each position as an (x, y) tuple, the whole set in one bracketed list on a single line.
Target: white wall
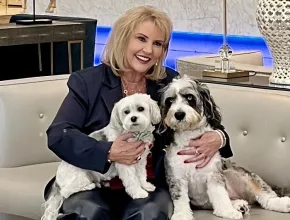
[(188, 15)]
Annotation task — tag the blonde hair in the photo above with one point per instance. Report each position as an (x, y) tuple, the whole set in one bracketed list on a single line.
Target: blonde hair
[(115, 49)]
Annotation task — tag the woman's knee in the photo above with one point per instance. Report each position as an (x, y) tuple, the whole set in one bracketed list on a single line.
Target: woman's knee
[(158, 206), (87, 205), (151, 211)]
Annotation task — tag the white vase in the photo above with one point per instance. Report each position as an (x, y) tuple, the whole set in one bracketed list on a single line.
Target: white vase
[(273, 18)]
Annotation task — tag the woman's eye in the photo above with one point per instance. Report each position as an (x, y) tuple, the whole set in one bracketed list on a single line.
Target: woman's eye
[(140, 109), (126, 112), (158, 44), (142, 39)]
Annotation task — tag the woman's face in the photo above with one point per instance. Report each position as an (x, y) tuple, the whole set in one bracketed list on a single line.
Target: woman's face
[(145, 47)]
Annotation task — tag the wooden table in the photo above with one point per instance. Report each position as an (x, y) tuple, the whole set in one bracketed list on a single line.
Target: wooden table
[(59, 31), (259, 75)]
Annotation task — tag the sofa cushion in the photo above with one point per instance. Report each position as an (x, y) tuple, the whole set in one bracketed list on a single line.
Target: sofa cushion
[(257, 121), (256, 213), (22, 189), (27, 108)]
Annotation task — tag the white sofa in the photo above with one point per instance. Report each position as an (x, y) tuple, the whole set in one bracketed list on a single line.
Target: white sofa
[(257, 121)]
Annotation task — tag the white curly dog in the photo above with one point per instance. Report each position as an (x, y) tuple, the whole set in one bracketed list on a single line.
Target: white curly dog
[(137, 114)]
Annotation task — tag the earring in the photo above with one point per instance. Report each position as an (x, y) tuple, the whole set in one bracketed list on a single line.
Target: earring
[(156, 64)]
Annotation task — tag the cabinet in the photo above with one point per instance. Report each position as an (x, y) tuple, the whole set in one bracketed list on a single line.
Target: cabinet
[(15, 2), (3, 2)]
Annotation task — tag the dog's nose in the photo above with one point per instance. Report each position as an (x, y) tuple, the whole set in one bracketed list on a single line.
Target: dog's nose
[(133, 118), (179, 115)]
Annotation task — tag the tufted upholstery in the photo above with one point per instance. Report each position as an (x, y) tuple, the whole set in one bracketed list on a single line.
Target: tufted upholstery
[(257, 121), (24, 128)]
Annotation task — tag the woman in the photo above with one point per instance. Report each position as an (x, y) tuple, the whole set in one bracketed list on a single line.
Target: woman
[(132, 62)]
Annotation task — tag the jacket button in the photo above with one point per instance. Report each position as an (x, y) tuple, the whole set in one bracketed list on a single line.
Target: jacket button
[(283, 139), (64, 130), (41, 115), (245, 133)]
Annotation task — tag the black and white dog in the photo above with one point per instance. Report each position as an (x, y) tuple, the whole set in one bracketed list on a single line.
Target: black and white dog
[(188, 110)]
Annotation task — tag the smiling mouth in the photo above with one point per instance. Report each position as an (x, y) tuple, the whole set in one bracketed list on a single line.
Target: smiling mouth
[(143, 58)]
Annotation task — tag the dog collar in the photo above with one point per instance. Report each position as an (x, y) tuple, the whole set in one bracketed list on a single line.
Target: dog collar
[(142, 135)]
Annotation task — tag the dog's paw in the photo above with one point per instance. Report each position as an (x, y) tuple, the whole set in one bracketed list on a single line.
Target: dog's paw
[(148, 187), (286, 203), (281, 204), (229, 214), (90, 186), (242, 206), (182, 216), (139, 194)]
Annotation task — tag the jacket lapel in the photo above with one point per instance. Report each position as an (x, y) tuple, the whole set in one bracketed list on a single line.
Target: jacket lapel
[(114, 92), (152, 89)]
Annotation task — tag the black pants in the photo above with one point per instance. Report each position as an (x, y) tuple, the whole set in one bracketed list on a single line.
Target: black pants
[(107, 204)]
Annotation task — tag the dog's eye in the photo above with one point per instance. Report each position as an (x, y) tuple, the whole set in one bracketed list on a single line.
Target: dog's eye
[(126, 112), (189, 97), (168, 101), (140, 109)]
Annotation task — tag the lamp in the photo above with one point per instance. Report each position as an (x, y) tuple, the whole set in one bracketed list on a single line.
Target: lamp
[(34, 20), (223, 67)]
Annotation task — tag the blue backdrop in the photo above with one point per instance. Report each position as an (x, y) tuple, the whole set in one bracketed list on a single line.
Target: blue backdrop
[(195, 44)]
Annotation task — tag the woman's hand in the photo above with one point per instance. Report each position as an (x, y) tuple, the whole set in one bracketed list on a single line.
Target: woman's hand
[(203, 148), (125, 152)]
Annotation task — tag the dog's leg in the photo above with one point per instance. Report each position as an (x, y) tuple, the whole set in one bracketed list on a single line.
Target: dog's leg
[(130, 181), (179, 194), (141, 173), (219, 197), (266, 197), (178, 188)]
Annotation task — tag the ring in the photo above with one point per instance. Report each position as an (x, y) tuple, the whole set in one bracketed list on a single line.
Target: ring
[(196, 152), (138, 158)]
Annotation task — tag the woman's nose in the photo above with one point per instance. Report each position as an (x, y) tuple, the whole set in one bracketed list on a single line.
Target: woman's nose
[(147, 48)]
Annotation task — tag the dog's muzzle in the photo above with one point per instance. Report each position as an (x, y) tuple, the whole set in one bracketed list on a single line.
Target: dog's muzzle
[(179, 115), (133, 118)]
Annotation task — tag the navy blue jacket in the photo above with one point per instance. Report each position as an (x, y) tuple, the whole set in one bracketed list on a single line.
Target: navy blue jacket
[(87, 108)]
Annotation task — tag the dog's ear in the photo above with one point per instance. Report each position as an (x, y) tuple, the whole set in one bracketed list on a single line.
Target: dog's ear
[(162, 127), (115, 120), (154, 112), (210, 108)]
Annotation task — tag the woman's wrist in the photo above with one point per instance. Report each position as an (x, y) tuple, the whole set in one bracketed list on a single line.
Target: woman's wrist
[(109, 157), (222, 137)]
